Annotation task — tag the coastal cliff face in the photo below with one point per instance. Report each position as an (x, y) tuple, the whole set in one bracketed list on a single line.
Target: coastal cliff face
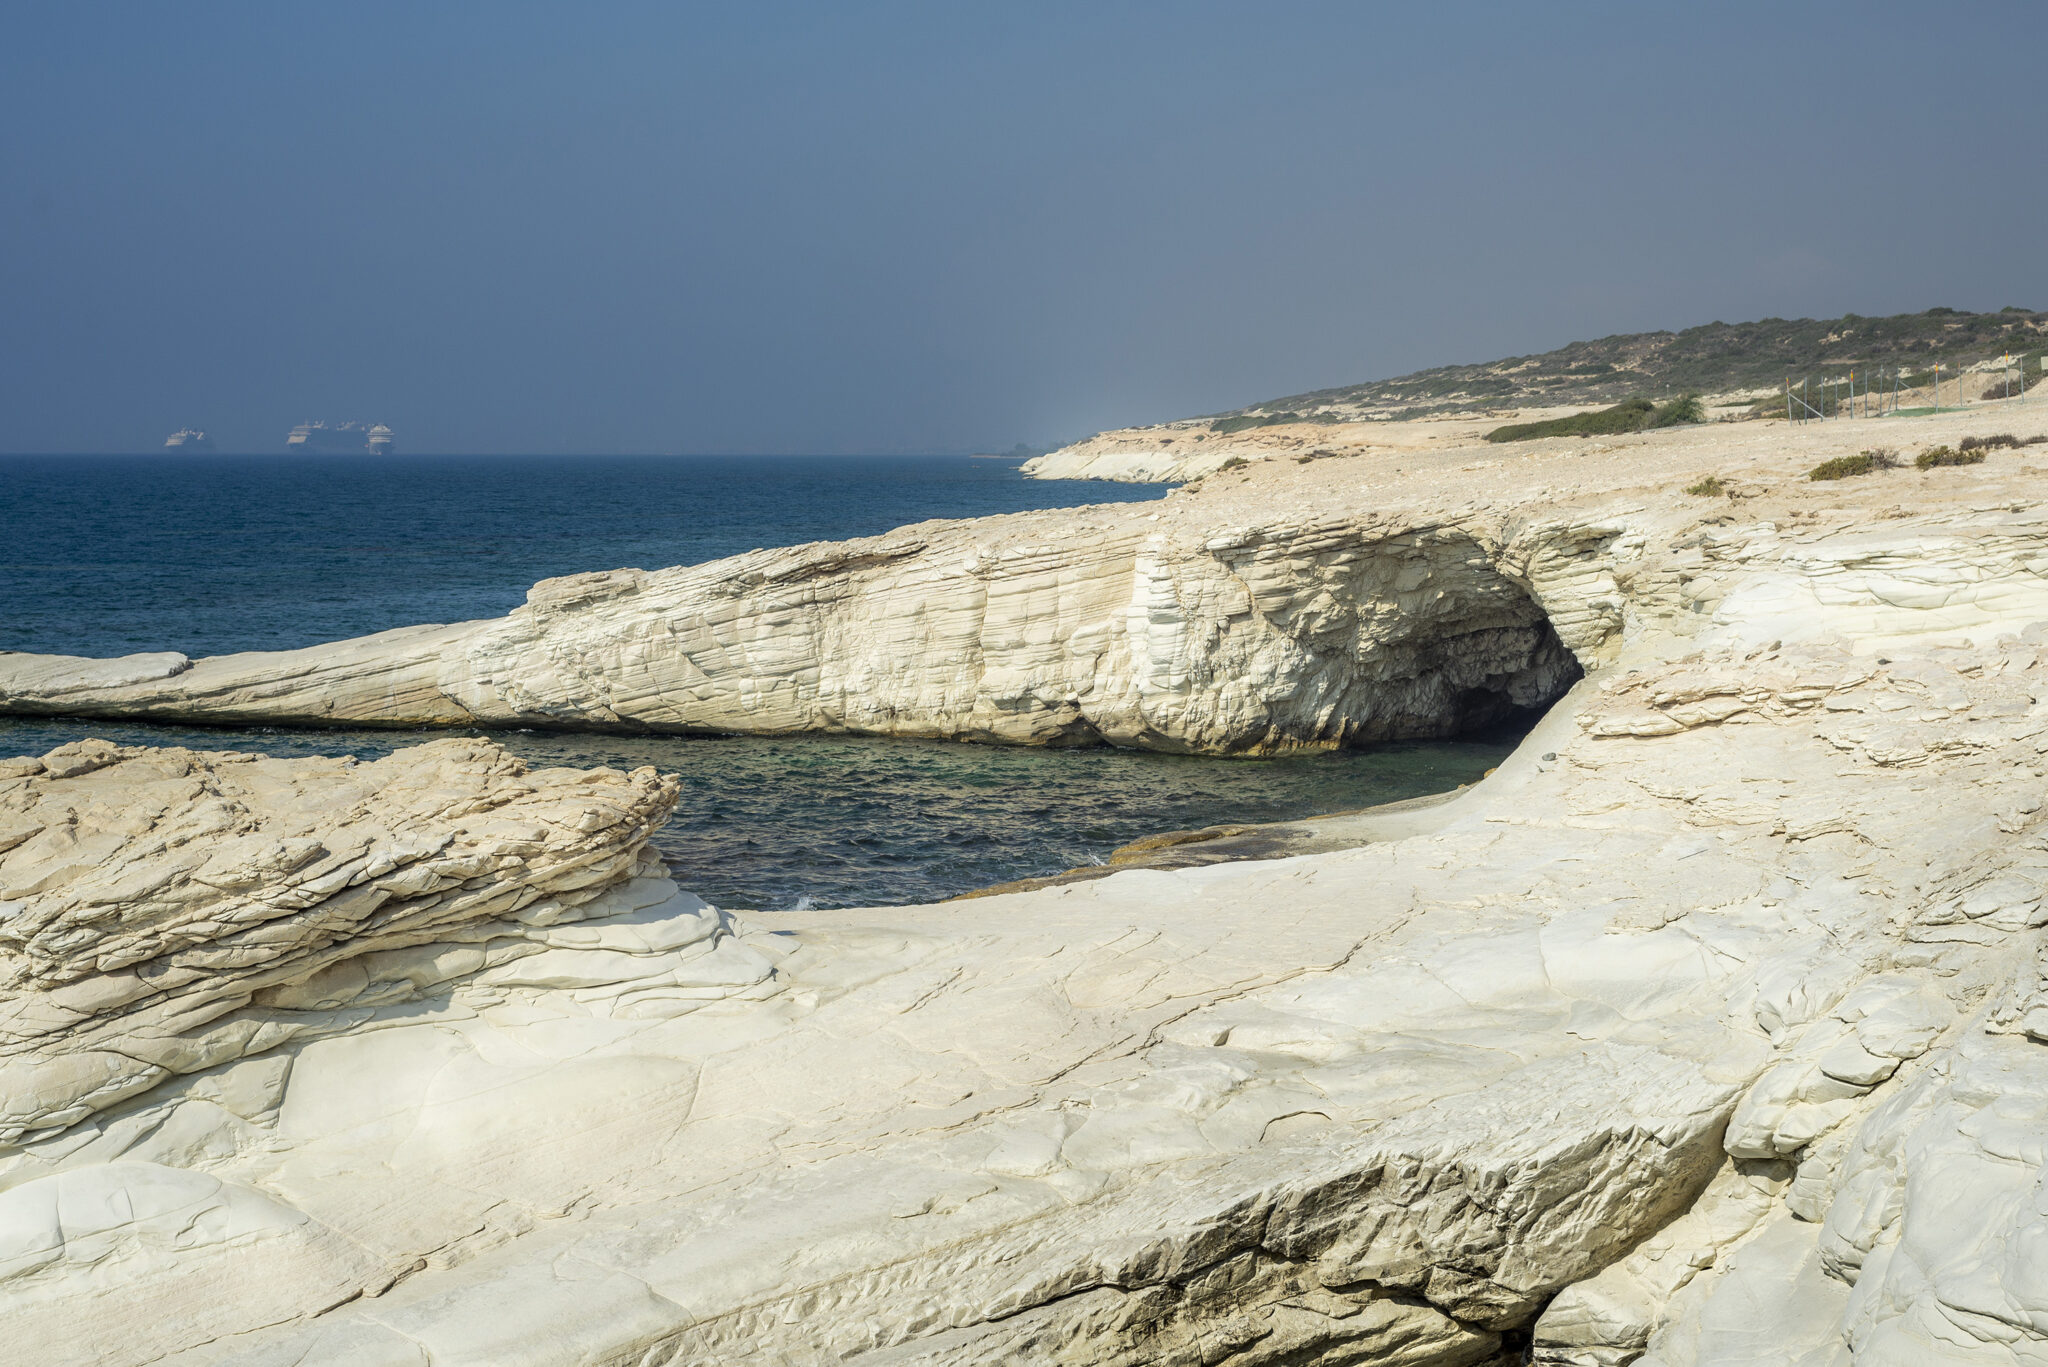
[(1170, 453), (1705, 1031)]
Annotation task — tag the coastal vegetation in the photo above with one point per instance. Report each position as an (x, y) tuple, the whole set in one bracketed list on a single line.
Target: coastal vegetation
[(1244, 422), (1630, 415), (1708, 487), (2019, 380), (1946, 455), (1862, 463), (1995, 440), (1714, 358), (1972, 450)]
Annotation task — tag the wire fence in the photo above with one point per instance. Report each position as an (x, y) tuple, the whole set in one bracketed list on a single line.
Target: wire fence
[(1876, 391)]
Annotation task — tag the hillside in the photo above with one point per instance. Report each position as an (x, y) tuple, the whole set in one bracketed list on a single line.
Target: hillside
[(1731, 365), (1715, 358)]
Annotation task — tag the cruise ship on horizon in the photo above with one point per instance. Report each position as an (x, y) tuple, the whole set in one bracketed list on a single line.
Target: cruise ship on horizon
[(342, 436), (188, 439)]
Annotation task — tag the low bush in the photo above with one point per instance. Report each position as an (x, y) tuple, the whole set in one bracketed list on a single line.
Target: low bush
[(1943, 455), (2010, 389), (1244, 422), (1686, 408), (1234, 463), (1862, 463), (1707, 487), (1630, 415), (1841, 467), (1990, 443)]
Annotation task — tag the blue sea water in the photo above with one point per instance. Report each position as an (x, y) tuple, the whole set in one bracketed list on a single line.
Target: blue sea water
[(106, 555)]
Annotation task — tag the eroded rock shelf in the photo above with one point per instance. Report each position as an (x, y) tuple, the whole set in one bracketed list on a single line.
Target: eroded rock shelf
[(1704, 1031), (1031, 629)]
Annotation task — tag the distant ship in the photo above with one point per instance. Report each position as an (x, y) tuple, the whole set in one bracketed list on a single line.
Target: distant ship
[(342, 436), (189, 439)]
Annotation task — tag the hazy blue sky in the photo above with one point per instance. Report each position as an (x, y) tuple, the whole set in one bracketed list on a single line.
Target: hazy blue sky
[(876, 227)]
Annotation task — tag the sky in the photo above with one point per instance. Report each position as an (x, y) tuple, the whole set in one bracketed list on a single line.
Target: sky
[(876, 227)]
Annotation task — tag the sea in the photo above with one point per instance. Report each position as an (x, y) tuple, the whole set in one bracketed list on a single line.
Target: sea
[(209, 554)]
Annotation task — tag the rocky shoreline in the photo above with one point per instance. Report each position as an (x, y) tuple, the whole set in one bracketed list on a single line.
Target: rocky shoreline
[(1702, 1031)]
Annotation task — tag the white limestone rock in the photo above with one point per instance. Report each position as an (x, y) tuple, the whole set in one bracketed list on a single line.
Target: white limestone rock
[(1273, 636), (165, 911), (1698, 1033)]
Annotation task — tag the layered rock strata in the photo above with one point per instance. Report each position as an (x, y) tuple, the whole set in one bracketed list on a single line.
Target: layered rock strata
[(1039, 629), (163, 912), (1705, 1031)]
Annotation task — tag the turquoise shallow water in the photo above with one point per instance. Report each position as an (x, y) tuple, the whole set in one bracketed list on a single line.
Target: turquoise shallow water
[(108, 555)]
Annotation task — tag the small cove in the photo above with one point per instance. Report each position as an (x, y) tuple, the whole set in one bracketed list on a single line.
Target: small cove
[(213, 554), (827, 821)]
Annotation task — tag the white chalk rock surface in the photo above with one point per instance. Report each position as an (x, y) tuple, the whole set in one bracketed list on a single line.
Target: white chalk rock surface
[(1705, 1031), (1170, 453), (1108, 625)]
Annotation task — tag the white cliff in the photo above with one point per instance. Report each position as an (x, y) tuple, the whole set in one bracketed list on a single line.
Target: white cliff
[(1702, 1032), (1170, 453), (1113, 624)]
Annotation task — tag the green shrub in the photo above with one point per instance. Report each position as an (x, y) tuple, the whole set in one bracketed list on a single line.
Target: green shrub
[(1862, 463), (1942, 455), (1707, 487), (1686, 408), (1244, 422), (1630, 415), (1234, 463)]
